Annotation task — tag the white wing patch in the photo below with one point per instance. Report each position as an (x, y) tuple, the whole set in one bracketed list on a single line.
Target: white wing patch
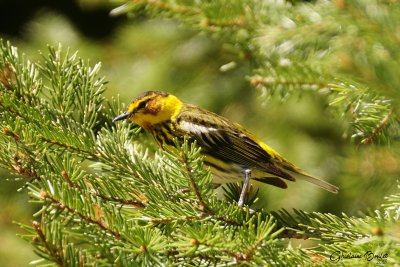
[(191, 127)]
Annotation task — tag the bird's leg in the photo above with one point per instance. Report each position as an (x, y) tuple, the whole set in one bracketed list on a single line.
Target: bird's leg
[(247, 174)]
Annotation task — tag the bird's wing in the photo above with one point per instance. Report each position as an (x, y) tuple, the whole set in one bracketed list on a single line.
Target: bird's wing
[(222, 139)]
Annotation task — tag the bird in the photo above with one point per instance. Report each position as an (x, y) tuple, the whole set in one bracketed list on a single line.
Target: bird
[(233, 153)]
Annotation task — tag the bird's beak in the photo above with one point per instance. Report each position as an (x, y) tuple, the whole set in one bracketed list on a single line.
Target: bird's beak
[(123, 116)]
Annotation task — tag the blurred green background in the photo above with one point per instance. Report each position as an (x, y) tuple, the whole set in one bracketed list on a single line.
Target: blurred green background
[(140, 54)]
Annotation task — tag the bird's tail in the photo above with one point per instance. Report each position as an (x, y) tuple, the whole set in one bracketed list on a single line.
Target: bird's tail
[(323, 184)]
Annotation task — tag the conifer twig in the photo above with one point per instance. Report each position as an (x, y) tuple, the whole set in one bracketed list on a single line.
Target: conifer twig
[(379, 127), (80, 215), (201, 216), (56, 256), (181, 9), (136, 203), (71, 147), (185, 162), (128, 202), (258, 80)]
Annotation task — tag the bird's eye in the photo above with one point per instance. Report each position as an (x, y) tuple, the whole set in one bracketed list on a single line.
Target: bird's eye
[(142, 105)]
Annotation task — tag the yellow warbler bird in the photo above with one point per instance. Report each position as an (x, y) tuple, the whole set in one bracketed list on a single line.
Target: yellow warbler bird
[(233, 153)]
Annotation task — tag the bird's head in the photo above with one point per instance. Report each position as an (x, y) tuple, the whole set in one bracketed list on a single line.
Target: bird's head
[(151, 108)]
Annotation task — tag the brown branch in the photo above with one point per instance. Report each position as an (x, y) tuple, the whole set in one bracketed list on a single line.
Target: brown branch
[(65, 175), (212, 26), (266, 81), (130, 202), (287, 233), (66, 146), (26, 153), (54, 253), (248, 255), (80, 215), (201, 216), (188, 170), (197, 243), (380, 126), (136, 203), (182, 218), (7, 76)]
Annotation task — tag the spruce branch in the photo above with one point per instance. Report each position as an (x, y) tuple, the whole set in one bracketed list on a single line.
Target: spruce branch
[(86, 219), (52, 249), (22, 162), (192, 181), (205, 15), (130, 207), (287, 78), (18, 74), (377, 130)]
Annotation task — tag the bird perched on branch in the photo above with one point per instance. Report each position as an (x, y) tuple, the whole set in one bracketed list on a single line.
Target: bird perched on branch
[(233, 153)]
